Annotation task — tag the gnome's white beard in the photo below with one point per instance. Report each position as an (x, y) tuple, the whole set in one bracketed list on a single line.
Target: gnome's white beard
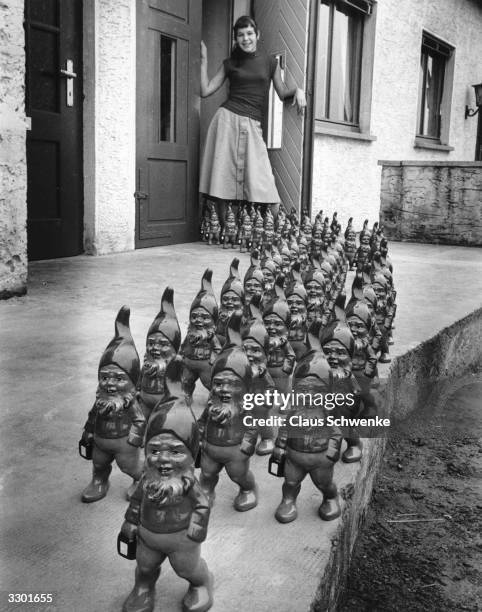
[(153, 367), (222, 412), (161, 491), (196, 336), (107, 404)]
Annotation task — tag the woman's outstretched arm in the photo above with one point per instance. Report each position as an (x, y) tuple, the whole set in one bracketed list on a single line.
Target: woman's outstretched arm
[(284, 91), (208, 87)]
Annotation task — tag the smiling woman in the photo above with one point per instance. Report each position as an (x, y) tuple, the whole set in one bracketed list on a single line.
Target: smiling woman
[(235, 164)]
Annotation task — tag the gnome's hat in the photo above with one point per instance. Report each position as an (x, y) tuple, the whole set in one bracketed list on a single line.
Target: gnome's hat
[(254, 270), (365, 229), (255, 329), (295, 285), (121, 350), (173, 415), (166, 320), (232, 357), (269, 263), (205, 298), (315, 274), (233, 282), (338, 329), (278, 304), (360, 310), (314, 362)]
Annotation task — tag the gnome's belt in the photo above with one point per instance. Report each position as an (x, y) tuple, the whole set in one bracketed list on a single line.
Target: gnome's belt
[(308, 445), (203, 356)]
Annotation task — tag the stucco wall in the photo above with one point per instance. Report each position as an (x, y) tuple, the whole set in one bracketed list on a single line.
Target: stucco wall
[(346, 174), (13, 172), (436, 203), (109, 125)]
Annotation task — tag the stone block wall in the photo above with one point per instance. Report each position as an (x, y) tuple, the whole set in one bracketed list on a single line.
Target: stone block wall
[(13, 170), (435, 202)]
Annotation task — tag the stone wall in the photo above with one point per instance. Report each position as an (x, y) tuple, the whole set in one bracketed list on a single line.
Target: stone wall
[(346, 174), (436, 202), (13, 171)]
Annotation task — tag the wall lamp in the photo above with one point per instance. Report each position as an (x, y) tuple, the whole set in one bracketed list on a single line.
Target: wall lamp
[(478, 101)]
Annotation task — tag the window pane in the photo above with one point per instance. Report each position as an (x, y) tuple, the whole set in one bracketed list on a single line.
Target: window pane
[(339, 64), (433, 66), (322, 61), (167, 109)]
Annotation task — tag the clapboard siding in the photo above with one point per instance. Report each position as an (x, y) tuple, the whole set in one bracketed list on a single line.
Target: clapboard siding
[(283, 25)]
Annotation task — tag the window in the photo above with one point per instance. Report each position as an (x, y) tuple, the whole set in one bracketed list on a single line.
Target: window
[(344, 65), (435, 90)]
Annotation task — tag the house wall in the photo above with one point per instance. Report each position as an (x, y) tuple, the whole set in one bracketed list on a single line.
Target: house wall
[(109, 125), (13, 170), (346, 174)]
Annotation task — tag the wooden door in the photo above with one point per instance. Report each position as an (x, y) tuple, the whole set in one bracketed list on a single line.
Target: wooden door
[(54, 144), (167, 149), (282, 24)]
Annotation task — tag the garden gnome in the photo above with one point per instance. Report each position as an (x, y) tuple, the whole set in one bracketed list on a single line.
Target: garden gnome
[(115, 426), (365, 293), (257, 234), (168, 514), (226, 441), (364, 362), (307, 229), (205, 225), (245, 232), (296, 297), (268, 232), (317, 239), (253, 281), (363, 253), (232, 300), (230, 230), (339, 346), (255, 342), (270, 274), (383, 313), (281, 357), (305, 445), (201, 344), (162, 345), (214, 227)]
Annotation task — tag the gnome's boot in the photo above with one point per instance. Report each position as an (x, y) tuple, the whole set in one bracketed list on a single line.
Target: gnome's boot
[(265, 447), (98, 486), (286, 511), (353, 452), (141, 598), (199, 598), (330, 508), (247, 498)]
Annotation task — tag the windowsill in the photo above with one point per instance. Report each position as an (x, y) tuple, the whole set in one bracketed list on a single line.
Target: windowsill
[(421, 143), (330, 131)]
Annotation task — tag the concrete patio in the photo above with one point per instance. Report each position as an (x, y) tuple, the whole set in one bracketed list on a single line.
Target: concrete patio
[(51, 343)]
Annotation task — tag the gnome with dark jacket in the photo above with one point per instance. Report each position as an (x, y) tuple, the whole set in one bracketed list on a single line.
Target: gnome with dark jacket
[(232, 300), (255, 341), (169, 513), (339, 347), (115, 426), (296, 296), (162, 344), (201, 344), (281, 357), (307, 444), (226, 442)]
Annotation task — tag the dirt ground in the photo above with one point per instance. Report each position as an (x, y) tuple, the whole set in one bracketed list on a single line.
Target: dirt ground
[(432, 471)]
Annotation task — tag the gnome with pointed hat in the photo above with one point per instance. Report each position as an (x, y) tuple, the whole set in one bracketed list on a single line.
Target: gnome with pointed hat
[(115, 426), (255, 341), (162, 345), (232, 299), (168, 513), (296, 297), (307, 445), (338, 345), (201, 344), (277, 320), (227, 442), (229, 232)]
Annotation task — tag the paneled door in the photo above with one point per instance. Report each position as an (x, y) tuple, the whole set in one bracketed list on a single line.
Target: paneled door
[(167, 128), (53, 88)]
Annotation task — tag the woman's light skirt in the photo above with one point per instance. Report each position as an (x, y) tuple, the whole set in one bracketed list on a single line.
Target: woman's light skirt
[(235, 163)]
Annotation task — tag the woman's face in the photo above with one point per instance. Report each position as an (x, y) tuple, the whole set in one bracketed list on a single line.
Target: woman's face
[(247, 39)]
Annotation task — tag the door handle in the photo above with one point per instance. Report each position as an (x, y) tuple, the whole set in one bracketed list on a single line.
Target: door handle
[(69, 74)]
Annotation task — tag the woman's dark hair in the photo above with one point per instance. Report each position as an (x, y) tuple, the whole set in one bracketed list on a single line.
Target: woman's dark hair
[(242, 22)]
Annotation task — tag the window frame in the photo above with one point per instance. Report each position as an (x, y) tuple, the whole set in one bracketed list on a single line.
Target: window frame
[(447, 51), (361, 130)]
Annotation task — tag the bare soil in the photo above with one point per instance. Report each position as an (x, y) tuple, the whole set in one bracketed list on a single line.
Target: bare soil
[(431, 473)]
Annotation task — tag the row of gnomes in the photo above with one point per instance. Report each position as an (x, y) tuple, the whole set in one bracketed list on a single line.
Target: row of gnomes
[(244, 349)]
